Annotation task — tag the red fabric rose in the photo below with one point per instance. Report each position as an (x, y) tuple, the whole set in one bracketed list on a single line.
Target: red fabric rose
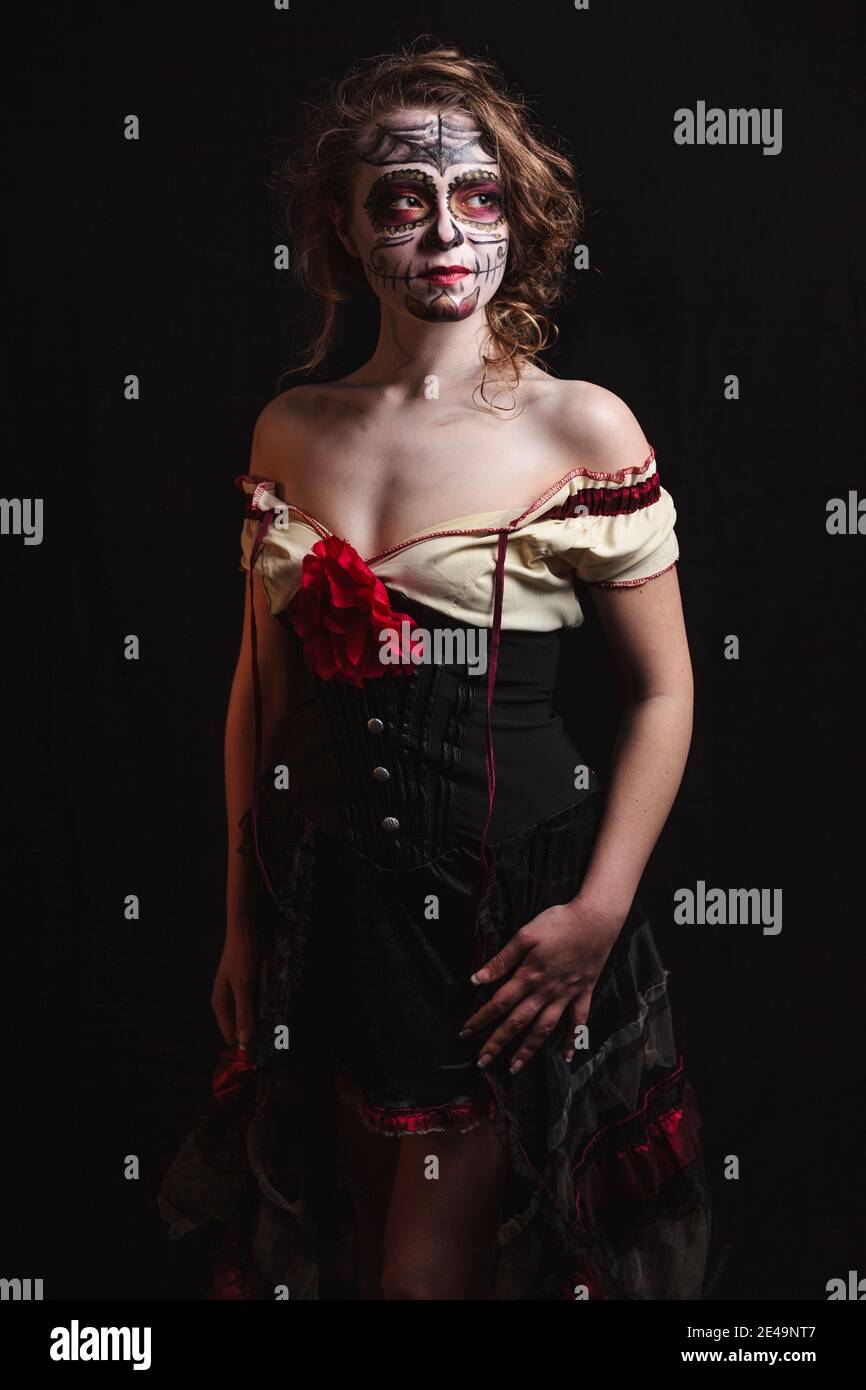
[(339, 612)]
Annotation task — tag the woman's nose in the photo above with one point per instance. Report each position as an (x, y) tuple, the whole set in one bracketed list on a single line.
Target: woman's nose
[(444, 233)]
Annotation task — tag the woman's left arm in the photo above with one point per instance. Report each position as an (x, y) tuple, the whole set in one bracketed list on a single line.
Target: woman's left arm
[(645, 629), (552, 964), (554, 961)]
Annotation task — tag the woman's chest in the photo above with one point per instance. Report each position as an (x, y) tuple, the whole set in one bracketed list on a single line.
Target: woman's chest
[(380, 486)]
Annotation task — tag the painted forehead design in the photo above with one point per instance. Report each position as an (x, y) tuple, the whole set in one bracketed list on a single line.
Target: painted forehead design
[(440, 140)]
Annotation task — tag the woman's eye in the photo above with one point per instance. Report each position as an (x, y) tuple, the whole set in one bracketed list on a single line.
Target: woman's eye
[(397, 207), (482, 204)]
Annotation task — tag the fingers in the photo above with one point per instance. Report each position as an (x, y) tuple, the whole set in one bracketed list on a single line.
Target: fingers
[(541, 1029), (244, 1012), (232, 1003), (505, 999), (223, 1005), (536, 1015), (504, 960), (520, 1019), (576, 1016)]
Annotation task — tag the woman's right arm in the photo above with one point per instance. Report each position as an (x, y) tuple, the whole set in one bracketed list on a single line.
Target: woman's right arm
[(233, 995)]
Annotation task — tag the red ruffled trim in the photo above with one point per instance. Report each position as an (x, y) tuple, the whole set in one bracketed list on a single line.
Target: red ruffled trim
[(607, 501), (631, 1160), (227, 1282), (232, 1075), (455, 1117)]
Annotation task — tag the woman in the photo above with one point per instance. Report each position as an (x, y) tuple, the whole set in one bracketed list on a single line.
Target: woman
[(432, 915)]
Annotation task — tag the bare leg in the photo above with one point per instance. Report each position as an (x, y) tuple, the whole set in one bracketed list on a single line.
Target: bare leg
[(371, 1165), (440, 1235)]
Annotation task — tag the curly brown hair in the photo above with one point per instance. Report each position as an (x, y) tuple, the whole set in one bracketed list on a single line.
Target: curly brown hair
[(543, 207)]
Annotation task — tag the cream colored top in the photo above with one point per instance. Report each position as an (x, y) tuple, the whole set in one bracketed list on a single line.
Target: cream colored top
[(610, 529)]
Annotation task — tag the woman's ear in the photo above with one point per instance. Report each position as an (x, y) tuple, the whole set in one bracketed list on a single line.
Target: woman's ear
[(341, 226)]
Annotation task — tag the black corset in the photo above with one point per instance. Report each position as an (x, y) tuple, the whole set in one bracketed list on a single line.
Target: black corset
[(405, 754)]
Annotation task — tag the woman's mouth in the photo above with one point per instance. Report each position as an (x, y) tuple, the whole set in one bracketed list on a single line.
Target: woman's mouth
[(445, 274)]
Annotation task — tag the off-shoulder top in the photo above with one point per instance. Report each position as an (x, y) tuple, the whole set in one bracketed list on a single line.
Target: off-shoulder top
[(511, 570), (609, 529)]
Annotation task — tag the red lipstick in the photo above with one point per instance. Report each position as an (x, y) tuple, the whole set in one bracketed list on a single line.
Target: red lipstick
[(445, 274)]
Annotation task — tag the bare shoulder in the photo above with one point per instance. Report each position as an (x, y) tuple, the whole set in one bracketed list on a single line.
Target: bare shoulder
[(595, 427), (290, 411), (282, 431)]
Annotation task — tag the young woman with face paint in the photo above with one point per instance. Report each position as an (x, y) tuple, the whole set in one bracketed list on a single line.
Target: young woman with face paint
[(452, 1071)]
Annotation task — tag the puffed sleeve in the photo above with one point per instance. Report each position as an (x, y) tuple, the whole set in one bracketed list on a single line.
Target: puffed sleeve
[(263, 545), (617, 529), (249, 530)]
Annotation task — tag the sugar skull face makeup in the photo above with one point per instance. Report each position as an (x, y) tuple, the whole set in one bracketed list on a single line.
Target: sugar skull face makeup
[(427, 219)]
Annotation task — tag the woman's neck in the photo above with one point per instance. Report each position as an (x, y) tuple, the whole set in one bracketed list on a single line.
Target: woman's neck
[(419, 357)]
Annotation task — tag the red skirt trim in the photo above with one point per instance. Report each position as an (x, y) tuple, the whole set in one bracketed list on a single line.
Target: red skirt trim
[(455, 1117), (631, 1160)]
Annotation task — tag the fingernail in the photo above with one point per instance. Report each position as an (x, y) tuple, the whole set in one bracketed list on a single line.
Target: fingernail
[(569, 1056), (479, 978), (484, 1059), (515, 1066), (464, 1034)]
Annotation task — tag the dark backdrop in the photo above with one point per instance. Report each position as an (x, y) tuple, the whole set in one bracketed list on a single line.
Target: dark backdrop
[(156, 258)]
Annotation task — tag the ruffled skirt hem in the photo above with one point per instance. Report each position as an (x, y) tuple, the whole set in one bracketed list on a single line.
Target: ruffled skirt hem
[(605, 1194)]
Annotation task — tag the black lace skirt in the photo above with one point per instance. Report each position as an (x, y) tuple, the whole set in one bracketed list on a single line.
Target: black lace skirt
[(364, 985)]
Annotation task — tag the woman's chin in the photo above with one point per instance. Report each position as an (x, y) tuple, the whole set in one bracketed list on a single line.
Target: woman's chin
[(443, 308)]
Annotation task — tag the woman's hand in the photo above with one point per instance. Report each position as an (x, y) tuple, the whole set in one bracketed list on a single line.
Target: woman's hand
[(556, 960), (232, 999)]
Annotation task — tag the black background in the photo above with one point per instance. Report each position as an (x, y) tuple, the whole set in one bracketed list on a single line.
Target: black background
[(156, 258)]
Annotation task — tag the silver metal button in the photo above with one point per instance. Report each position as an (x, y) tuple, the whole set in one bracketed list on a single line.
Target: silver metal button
[(375, 726), (390, 823), (381, 774)]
